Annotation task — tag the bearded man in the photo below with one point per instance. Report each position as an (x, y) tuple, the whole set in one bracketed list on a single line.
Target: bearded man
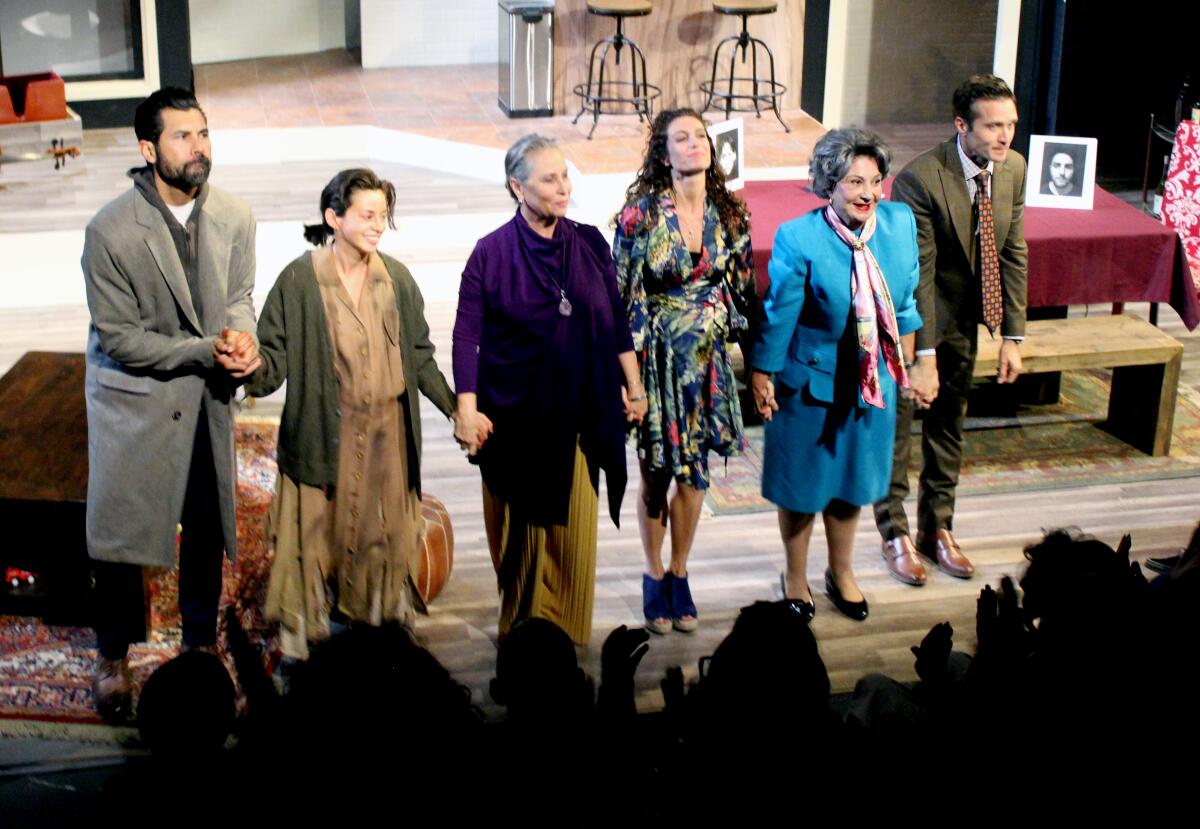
[(169, 270)]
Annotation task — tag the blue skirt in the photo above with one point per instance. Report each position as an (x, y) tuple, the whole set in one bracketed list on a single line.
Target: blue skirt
[(815, 451)]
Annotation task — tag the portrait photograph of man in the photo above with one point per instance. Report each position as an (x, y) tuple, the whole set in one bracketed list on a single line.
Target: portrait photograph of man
[(1062, 164), (1062, 172)]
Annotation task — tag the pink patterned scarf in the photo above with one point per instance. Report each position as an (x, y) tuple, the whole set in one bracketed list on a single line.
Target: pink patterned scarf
[(873, 312)]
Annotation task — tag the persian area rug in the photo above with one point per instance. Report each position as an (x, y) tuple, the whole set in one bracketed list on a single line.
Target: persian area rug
[(1042, 447), (46, 671)]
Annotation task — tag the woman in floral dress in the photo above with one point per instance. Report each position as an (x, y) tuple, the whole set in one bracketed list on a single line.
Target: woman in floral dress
[(682, 251)]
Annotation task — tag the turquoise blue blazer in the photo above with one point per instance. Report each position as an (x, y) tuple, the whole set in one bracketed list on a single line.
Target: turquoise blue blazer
[(807, 307)]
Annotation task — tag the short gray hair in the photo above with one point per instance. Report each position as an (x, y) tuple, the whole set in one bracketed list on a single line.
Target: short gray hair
[(836, 151), (516, 160)]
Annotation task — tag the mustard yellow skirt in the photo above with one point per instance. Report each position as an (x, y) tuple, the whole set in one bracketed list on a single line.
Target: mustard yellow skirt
[(547, 571)]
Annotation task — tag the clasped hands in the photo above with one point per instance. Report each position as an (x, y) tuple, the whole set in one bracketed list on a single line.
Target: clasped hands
[(764, 394), (922, 382), (237, 353), (635, 410), (922, 378), (923, 375), (471, 428)]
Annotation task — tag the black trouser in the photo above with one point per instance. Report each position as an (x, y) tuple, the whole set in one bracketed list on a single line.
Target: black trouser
[(120, 596)]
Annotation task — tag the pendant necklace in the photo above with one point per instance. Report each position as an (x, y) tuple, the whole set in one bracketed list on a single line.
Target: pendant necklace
[(564, 304), (687, 220)]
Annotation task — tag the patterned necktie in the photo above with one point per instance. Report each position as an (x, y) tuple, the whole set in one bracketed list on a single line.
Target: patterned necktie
[(989, 262)]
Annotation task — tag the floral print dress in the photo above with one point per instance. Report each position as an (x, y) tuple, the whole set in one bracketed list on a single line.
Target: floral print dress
[(682, 315)]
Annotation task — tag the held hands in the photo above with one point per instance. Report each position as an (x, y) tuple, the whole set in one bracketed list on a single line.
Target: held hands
[(471, 429), (764, 394), (635, 406), (237, 353), (923, 382), (1008, 369)]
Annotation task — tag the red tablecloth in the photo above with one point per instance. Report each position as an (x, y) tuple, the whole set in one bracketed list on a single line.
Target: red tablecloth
[(1112, 253)]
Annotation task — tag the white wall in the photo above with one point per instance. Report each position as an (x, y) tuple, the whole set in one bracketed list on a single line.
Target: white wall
[(237, 29), (423, 33), (850, 51)]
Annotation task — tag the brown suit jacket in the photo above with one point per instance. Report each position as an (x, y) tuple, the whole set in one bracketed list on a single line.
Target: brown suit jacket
[(948, 296)]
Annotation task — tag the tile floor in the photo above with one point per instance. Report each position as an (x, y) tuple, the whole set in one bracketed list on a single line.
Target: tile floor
[(456, 103)]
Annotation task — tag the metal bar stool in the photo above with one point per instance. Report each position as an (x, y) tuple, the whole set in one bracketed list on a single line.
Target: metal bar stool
[(606, 97), (763, 92)]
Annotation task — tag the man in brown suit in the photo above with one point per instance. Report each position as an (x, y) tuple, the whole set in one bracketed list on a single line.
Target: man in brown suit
[(968, 196)]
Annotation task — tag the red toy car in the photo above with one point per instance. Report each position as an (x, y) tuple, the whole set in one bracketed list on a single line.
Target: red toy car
[(16, 577)]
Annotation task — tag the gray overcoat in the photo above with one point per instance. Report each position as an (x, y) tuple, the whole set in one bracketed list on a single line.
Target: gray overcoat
[(150, 365)]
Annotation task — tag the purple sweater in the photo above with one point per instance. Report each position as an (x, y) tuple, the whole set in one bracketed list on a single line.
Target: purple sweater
[(546, 380)]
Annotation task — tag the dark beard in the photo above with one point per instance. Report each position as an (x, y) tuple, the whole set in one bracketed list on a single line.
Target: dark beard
[(185, 177)]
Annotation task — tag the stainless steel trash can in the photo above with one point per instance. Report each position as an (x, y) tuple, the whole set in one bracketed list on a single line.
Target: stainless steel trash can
[(526, 58)]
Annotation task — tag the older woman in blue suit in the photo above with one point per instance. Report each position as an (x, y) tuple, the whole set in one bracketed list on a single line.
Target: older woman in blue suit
[(836, 335)]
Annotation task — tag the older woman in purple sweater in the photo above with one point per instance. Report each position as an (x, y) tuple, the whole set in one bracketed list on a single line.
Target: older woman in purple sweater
[(547, 380)]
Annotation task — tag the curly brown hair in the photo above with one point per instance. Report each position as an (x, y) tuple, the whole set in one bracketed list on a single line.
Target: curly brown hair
[(655, 176)]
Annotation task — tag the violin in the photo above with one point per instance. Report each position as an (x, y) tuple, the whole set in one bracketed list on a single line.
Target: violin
[(59, 150)]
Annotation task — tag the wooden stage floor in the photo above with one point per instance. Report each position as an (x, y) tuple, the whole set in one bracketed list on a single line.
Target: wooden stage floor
[(737, 558)]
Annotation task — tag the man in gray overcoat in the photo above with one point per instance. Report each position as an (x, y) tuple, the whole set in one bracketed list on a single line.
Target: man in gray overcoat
[(169, 269)]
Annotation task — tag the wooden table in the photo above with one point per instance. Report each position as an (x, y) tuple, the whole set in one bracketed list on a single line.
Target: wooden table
[(1144, 360), (43, 486)]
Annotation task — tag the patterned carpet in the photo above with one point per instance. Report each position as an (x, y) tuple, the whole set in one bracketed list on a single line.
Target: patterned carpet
[(1044, 447), (46, 671)]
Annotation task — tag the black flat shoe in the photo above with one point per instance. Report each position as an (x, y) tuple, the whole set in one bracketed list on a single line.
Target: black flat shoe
[(854, 610), (806, 610)]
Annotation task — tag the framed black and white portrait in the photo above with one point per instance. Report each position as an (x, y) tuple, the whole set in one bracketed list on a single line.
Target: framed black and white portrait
[(730, 150), (1062, 172)]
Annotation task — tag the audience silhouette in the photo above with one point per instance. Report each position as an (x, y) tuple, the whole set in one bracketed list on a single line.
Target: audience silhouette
[(1077, 663)]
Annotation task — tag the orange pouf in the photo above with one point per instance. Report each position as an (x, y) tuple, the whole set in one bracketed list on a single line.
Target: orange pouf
[(437, 549), (37, 97)]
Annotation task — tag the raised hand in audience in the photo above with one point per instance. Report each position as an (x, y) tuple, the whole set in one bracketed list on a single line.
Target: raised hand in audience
[(934, 652), (622, 652), (1135, 569), (1000, 629)]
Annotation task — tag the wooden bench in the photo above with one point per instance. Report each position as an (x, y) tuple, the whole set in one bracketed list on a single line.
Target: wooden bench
[(1144, 360)]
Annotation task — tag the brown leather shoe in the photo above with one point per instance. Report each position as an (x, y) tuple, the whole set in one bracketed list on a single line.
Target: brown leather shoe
[(112, 687), (946, 554), (902, 560)]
